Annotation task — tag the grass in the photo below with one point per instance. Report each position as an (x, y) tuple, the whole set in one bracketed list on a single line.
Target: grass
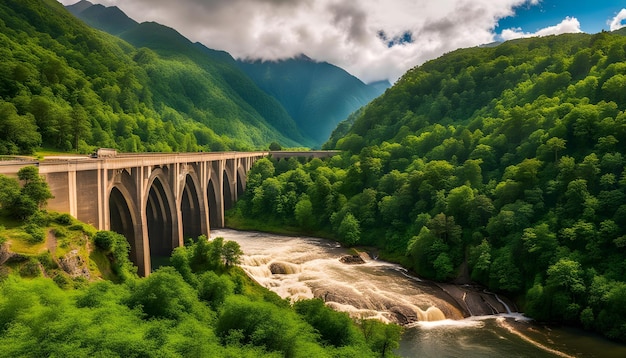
[(102, 264), (237, 222), (45, 151), (18, 242)]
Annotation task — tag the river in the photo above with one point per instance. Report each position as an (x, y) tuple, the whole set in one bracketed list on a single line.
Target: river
[(304, 267)]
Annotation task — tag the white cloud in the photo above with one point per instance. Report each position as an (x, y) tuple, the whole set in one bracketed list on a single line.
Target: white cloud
[(569, 25), (618, 21), (342, 32)]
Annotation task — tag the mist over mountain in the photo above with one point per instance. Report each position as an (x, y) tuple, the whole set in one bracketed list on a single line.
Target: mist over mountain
[(219, 65), (317, 95)]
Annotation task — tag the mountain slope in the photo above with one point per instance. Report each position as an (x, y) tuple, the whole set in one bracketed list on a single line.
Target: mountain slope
[(221, 67), (317, 95), (67, 86)]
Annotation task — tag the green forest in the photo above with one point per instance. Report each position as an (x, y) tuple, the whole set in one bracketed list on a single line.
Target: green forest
[(65, 86), (502, 166)]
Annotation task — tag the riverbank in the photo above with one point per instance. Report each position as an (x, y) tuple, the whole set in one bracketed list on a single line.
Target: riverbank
[(311, 267)]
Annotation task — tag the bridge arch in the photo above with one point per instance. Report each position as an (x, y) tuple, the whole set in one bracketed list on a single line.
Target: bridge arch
[(123, 220), (192, 207), (123, 214), (241, 179), (214, 201), (161, 218), (227, 181)]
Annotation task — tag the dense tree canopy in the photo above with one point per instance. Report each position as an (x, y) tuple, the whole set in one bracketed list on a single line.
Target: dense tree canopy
[(501, 165)]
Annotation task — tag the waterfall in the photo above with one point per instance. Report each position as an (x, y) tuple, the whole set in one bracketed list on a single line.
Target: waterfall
[(506, 307), (304, 268)]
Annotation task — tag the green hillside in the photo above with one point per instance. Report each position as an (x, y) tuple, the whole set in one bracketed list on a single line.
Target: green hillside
[(503, 166), (67, 86), (317, 95), (223, 69)]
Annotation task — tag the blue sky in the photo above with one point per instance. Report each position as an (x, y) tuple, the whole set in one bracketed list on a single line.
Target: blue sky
[(592, 14)]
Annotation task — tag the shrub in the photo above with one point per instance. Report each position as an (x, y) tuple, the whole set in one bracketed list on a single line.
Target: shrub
[(214, 289), (59, 232), (45, 258), (62, 281), (104, 240), (39, 218), (30, 268), (64, 219), (164, 294), (260, 324), (37, 234), (334, 327), (117, 248)]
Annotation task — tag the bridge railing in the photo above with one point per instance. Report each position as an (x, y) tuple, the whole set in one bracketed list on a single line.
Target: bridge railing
[(11, 165)]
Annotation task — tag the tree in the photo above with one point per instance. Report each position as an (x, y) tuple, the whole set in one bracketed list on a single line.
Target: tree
[(480, 261), (231, 251), (459, 201), (443, 267), (18, 132), (565, 285), (34, 186), (80, 124), (9, 192), (540, 242), (504, 274), (266, 197), (261, 170), (274, 146), (566, 274), (349, 230), (445, 228), (382, 338), (23, 202), (304, 213)]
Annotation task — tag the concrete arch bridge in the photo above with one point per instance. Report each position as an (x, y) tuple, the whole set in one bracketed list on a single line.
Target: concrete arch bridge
[(154, 200)]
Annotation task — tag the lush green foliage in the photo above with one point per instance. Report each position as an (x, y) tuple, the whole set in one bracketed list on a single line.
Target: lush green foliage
[(186, 310), (506, 163), (22, 202), (116, 248), (67, 86)]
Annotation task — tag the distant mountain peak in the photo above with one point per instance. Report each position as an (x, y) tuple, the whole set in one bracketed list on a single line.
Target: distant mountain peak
[(317, 95), (109, 19), (79, 7), (303, 57)]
